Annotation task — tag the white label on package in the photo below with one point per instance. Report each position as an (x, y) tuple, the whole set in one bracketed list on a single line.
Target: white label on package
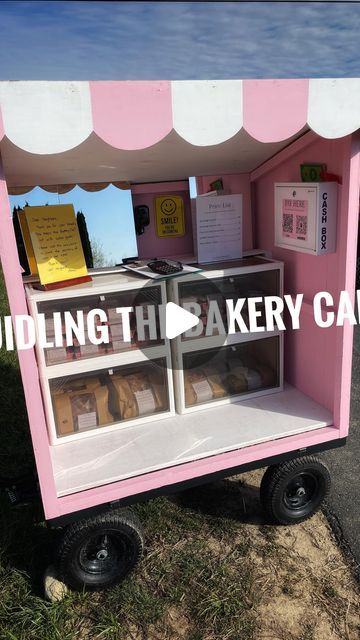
[(203, 391), (87, 420), (145, 401)]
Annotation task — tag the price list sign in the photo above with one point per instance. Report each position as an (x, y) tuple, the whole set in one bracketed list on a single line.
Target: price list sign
[(219, 228)]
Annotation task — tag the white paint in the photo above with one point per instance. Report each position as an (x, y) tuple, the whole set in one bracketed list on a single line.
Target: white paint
[(119, 454), (46, 117), (334, 106), (207, 112)]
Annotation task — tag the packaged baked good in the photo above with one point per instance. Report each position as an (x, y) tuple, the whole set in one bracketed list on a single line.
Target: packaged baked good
[(236, 382), (80, 405), (197, 387), (88, 350), (55, 355), (215, 376), (267, 375), (257, 374), (117, 332), (112, 315), (135, 395), (202, 387), (243, 378)]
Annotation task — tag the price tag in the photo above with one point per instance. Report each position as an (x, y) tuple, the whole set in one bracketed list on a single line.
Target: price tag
[(145, 401), (203, 391), (87, 420)]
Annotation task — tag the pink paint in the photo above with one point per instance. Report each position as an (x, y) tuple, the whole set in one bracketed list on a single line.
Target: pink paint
[(131, 115), (274, 110), (149, 244), (234, 184), (317, 361), (28, 366), (351, 185), (286, 154), (183, 472)]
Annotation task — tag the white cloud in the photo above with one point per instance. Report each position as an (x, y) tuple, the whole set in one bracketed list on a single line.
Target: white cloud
[(140, 40)]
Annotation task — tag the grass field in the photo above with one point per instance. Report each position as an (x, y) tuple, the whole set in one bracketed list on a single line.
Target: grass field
[(214, 569)]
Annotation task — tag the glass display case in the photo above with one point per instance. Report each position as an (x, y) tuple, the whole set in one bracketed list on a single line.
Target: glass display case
[(108, 322), (198, 296), (212, 365), (100, 368), (107, 396), (233, 371)]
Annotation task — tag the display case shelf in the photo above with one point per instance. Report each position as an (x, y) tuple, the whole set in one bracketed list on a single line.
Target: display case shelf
[(117, 455)]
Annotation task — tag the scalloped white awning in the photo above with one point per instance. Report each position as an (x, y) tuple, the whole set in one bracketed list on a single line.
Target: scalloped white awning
[(72, 132)]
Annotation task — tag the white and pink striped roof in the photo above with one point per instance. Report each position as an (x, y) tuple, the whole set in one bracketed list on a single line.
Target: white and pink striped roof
[(51, 118)]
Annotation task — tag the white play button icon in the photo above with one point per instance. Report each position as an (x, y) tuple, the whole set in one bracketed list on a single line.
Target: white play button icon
[(178, 320)]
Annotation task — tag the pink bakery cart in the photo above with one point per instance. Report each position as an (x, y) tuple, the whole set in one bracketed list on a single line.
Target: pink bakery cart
[(271, 399)]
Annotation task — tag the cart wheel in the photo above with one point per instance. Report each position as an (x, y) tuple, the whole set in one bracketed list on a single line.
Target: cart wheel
[(293, 491), (99, 552)]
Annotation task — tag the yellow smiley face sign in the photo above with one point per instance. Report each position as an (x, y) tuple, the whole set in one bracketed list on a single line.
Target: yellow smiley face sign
[(169, 216)]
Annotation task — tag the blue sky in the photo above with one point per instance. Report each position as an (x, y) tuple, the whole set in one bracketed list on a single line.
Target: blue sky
[(178, 40), (116, 239), (170, 40)]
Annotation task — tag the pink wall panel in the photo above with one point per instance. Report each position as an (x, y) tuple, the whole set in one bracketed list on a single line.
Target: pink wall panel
[(131, 115), (312, 359), (235, 184), (149, 244)]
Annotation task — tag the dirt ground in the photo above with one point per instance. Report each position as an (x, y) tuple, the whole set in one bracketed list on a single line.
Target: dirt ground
[(301, 586), (306, 587)]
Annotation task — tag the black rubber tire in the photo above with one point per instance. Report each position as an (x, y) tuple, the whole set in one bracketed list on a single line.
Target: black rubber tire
[(282, 485), (99, 552)]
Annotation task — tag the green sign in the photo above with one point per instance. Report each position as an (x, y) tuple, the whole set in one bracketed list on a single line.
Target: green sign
[(311, 172)]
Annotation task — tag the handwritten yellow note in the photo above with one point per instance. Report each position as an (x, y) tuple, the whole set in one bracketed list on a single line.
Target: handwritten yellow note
[(56, 242)]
